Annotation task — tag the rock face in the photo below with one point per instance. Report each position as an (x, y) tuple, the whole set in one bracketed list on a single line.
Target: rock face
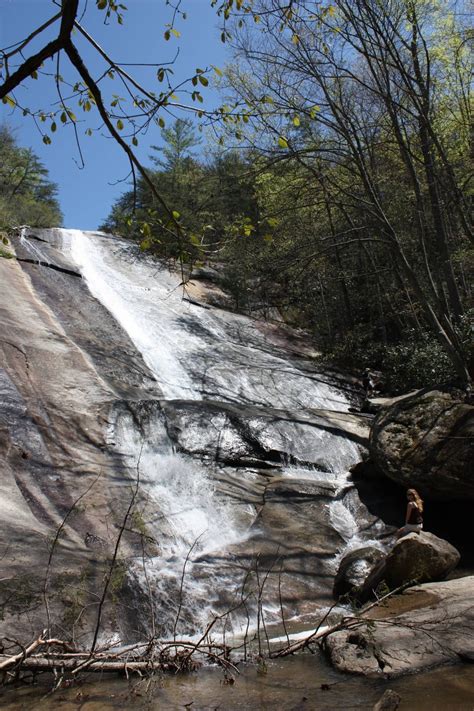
[(421, 557), (426, 441), (354, 568), (428, 625), (242, 447)]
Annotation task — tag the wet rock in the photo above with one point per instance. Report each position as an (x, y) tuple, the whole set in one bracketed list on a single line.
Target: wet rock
[(426, 626), (245, 434), (418, 557), (82, 415), (389, 701), (353, 570), (426, 441)]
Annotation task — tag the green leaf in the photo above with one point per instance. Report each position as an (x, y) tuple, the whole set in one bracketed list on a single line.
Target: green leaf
[(296, 121), (161, 122), (53, 127), (34, 75), (135, 141), (175, 32), (120, 125), (46, 140), (71, 116), (145, 229), (101, 4), (8, 100), (218, 71), (176, 214), (160, 74), (167, 35), (282, 142)]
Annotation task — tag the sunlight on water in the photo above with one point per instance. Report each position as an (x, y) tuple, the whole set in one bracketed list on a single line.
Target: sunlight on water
[(206, 354)]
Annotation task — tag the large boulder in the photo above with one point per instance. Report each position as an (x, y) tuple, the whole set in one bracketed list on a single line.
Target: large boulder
[(425, 441), (418, 557), (422, 557), (428, 625)]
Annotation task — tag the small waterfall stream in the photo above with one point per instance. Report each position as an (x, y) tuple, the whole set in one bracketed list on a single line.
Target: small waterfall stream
[(219, 363)]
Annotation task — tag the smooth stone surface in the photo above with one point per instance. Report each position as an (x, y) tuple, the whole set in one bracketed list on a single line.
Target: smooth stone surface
[(426, 626), (425, 441), (415, 558)]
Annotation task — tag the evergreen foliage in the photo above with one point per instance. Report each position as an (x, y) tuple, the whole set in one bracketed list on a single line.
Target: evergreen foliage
[(27, 196)]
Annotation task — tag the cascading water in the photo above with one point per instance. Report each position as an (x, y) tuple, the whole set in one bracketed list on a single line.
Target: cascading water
[(210, 356)]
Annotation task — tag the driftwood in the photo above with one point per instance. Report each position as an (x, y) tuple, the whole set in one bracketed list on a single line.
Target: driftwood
[(146, 658)]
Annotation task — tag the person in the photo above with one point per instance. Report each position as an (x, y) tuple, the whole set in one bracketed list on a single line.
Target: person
[(414, 514), (369, 381)]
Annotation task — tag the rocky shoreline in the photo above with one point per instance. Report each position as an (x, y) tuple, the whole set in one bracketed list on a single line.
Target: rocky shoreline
[(422, 440)]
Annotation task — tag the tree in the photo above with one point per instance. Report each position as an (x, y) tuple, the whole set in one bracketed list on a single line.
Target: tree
[(352, 93), (123, 122), (27, 196), (179, 139)]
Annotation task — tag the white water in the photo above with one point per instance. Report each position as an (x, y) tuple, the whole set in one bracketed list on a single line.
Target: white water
[(198, 354), (188, 348)]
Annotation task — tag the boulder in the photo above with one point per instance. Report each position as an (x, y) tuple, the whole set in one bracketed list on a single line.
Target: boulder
[(425, 441), (389, 701), (422, 557), (428, 625), (419, 557), (354, 568)]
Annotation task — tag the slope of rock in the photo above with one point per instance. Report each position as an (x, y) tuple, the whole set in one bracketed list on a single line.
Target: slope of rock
[(428, 625)]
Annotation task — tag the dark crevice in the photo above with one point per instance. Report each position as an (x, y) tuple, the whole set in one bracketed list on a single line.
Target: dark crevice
[(57, 268), (40, 239)]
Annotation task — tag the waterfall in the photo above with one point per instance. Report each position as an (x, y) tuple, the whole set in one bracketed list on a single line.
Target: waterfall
[(208, 356)]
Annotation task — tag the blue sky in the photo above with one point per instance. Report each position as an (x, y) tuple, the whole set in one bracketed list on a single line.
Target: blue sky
[(87, 194)]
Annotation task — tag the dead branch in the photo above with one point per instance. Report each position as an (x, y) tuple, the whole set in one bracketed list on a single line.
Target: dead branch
[(347, 622)]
